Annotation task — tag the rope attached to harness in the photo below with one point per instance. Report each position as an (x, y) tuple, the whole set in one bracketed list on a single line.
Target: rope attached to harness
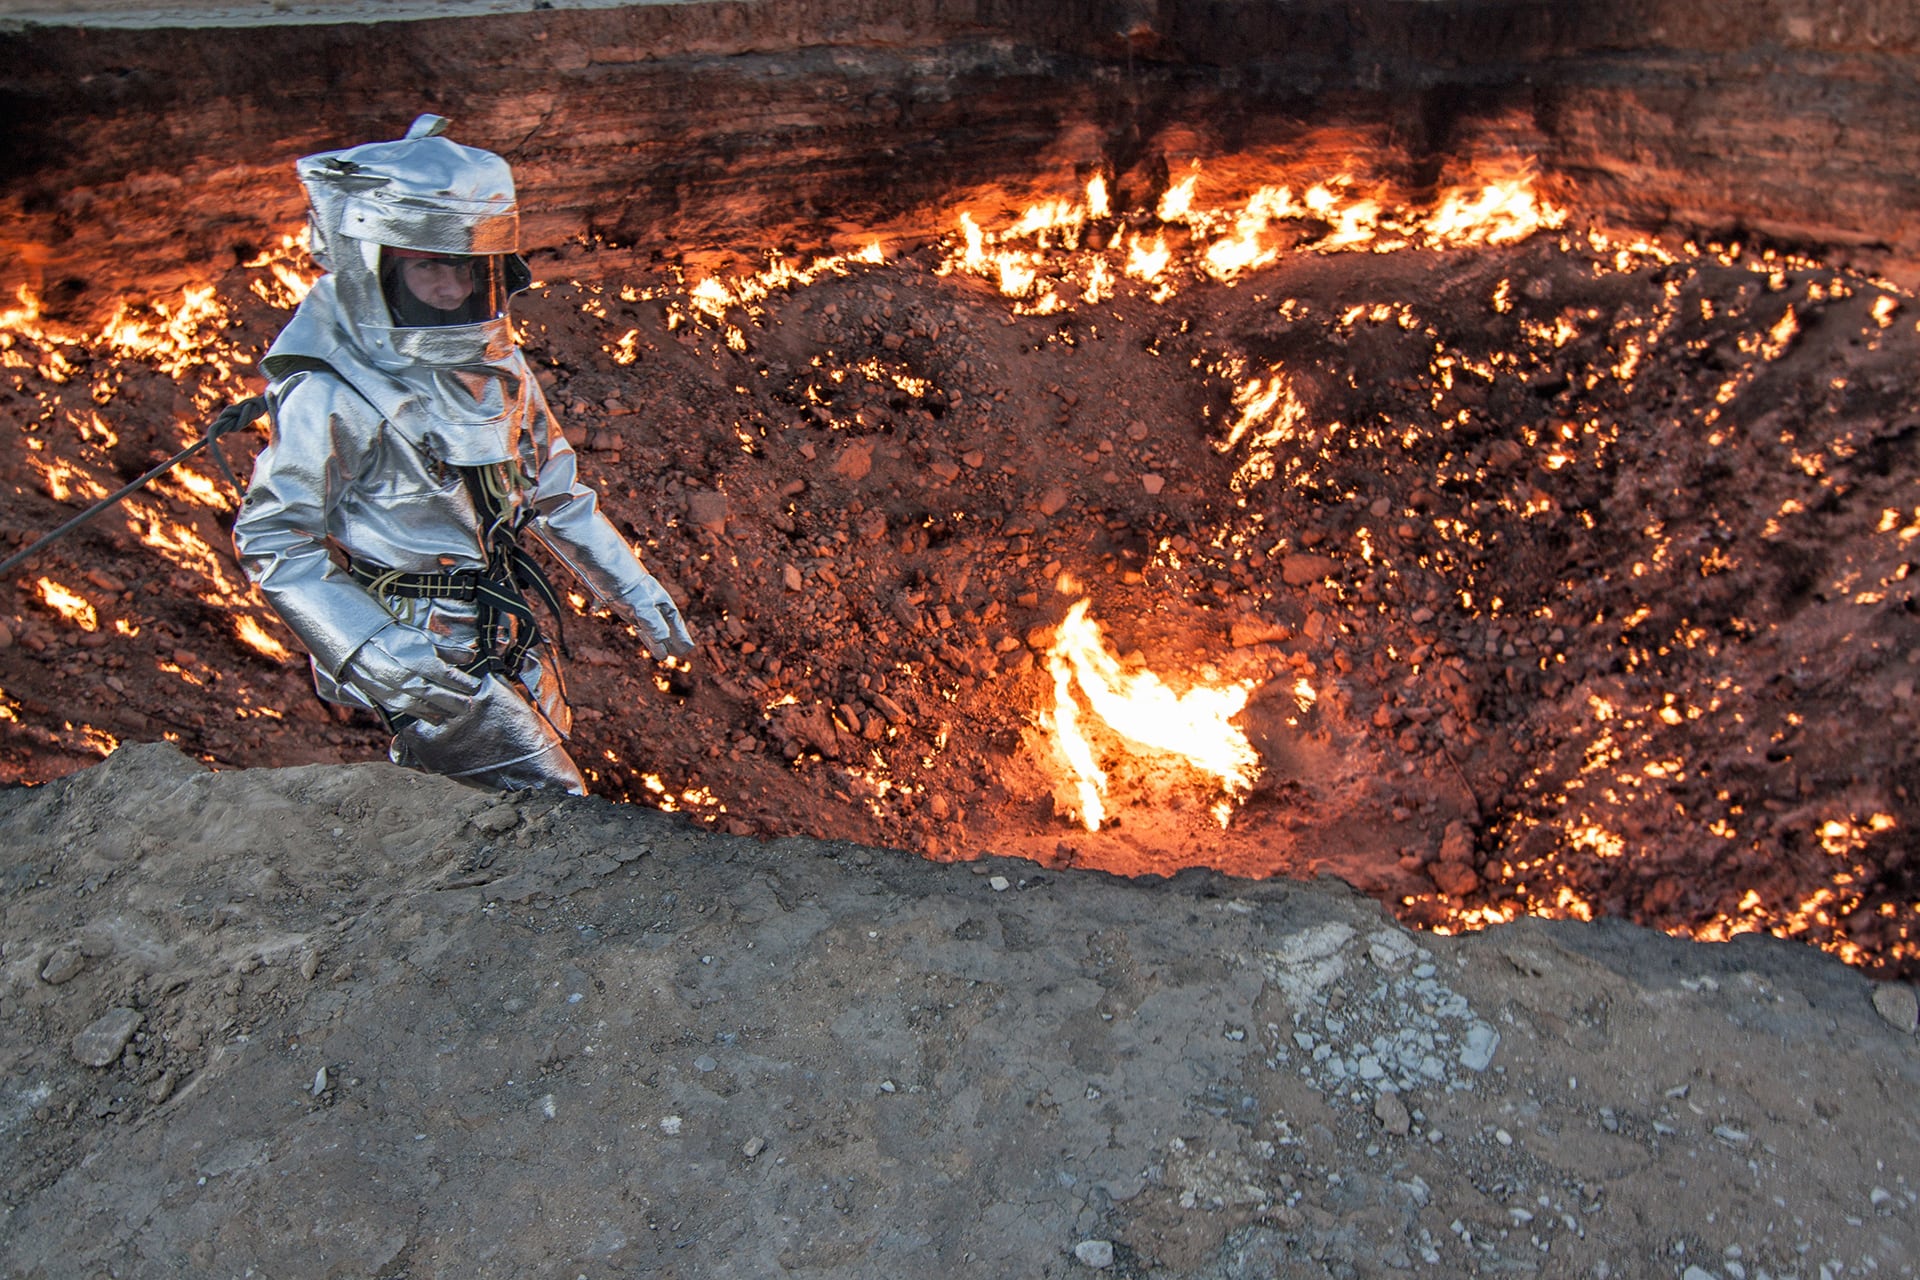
[(509, 629), (232, 418)]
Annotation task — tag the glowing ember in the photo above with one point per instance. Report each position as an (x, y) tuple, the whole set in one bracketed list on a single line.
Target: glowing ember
[(1143, 711)]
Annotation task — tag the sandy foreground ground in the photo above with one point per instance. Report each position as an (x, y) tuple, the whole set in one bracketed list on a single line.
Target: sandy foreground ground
[(361, 1022)]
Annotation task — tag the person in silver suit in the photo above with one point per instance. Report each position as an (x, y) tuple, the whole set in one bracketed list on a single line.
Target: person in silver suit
[(412, 463)]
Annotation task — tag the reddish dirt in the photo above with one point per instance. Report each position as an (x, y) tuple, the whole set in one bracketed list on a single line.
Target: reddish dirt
[(1583, 584)]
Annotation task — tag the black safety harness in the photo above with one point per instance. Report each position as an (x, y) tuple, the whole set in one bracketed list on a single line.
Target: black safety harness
[(508, 628)]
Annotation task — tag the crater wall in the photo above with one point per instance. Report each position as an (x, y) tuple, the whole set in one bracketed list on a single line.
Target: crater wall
[(143, 154)]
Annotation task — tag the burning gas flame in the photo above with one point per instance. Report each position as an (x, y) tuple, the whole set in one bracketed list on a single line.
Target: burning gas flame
[(292, 271), (256, 637), (1499, 213), (1195, 725), (1226, 243), (1267, 414), (68, 603)]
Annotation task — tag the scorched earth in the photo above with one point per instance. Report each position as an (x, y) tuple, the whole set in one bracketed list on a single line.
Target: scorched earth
[(1538, 570)]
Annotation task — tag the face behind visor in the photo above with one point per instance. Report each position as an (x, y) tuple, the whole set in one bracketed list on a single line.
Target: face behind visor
[(374, 206), (428, 289)]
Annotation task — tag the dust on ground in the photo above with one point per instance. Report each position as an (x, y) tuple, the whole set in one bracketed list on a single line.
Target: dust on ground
[(1571, 576), (326, 1021)]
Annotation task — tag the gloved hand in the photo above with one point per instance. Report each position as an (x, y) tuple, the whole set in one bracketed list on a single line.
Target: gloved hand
[(661, 628), (399, 670)]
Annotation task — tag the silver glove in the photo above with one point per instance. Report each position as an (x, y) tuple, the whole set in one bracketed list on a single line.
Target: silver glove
[(400, 671), (661, 627)]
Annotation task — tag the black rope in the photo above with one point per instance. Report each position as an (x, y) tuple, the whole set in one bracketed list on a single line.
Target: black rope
[(510, 572), (232, 418), (499, 591)]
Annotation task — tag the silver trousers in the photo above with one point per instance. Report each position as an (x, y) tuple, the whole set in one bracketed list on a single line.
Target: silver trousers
[(501, 741), (511, 736)]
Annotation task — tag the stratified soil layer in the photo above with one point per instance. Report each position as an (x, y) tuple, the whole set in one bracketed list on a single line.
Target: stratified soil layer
[(1568, 576)]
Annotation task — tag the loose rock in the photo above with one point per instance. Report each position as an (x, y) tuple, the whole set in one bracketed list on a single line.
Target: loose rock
[(1455, 879), (1897, 1003), (708, 510), (1392, 1115), (106, 1037), (63, 966), (1458, 844), (1304, 570), (1097, 1254)]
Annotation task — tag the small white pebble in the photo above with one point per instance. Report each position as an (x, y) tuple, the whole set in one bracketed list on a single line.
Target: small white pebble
[(1502, 1137), (998, 884), (670, 1125)]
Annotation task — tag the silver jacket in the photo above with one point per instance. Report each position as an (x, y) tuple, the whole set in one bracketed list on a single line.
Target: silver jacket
[(370, 421)]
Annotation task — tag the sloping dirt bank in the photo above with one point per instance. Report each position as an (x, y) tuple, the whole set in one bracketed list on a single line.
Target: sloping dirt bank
[(358, 1022)]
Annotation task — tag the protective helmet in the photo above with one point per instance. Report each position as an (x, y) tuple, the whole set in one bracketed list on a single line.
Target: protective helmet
[(420, 235)]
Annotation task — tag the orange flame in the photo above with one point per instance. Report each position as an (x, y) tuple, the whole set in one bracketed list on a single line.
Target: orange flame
[(1225, 244), (1499, 213), (291, 268), (64, 480), (1195, 725), (256, 637), (1177, 201), (1147, 261), (23, 315), (23, 322), (69, 604)]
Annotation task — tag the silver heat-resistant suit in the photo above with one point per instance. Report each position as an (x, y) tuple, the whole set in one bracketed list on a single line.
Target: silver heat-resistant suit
[(412, 459)]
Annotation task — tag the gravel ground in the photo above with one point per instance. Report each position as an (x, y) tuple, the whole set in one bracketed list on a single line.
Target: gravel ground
[(354, 1021)]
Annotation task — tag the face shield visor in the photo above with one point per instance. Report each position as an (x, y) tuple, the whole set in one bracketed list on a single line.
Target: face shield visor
[(424, 289)]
